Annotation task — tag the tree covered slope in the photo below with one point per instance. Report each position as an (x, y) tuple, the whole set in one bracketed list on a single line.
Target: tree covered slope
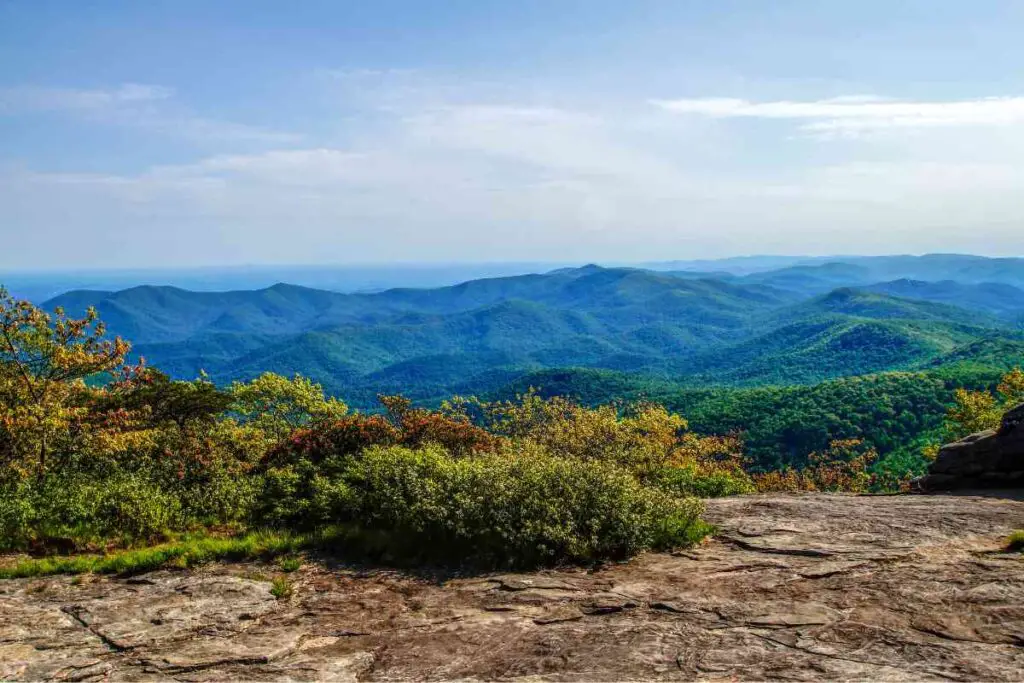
[(800, 324)]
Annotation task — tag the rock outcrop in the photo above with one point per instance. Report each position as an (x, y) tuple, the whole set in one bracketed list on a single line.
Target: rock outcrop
[(794, 587), (989, 459)]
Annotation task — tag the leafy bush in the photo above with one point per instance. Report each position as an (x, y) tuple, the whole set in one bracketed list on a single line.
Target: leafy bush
[(842, 467), (639, 436), (277, 405), (976, 411), (17, 515), (345, 436), (705, 466), (132, 507), (76, 511), (516, 508), (692, 481)]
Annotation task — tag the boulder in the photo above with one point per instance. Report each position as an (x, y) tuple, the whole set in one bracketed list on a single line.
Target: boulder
[(989, 459)]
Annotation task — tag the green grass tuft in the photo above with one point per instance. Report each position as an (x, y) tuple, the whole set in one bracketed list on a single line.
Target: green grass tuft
[(1015, 542), (289, 564), (185, 553), (281, 588)]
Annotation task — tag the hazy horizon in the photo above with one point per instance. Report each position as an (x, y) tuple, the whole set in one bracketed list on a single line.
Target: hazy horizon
[(433, 264), (41, 285)]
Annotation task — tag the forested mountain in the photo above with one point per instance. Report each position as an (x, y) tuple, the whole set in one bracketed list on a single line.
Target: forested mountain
[(994, 298), (896, 413), (825, 274), (799, 324)]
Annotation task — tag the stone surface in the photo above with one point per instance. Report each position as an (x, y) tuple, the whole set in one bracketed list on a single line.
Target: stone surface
[(990, 459), (813, 587)]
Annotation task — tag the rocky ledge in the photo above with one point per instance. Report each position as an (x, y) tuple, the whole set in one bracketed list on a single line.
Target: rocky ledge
[(813, 587), (989, 459)]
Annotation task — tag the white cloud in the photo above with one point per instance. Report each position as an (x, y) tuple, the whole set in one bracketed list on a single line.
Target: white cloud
[(33, 99), (480, 175), (860, 112), (135, 105)]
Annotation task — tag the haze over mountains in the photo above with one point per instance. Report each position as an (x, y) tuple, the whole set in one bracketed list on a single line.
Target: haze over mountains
[(801, 323), (38, 286)]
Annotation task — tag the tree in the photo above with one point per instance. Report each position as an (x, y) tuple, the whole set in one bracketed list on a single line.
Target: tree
[(158, 400), (44, 361), (278, 405), (976, 411)]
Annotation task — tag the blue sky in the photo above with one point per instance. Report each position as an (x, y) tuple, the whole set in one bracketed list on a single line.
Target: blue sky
[(195, 133)]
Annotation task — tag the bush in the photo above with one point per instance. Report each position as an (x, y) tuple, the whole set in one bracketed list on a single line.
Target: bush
[(17, 515), (276, 405), (518, 508), (452, 430), (128, 507), (345, 436), (705, 466), (842, 467), (638, 436), (132, 507), (81, 509), (693, 481), (285, 498)]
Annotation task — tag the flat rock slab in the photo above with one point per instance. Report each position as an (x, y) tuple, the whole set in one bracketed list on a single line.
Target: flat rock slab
[(796, 587)]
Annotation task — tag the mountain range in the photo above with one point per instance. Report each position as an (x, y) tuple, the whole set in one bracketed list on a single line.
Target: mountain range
[(714, 324)]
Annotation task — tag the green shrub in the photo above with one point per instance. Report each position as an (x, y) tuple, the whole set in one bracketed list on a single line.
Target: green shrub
[(78, 510), (133, 507), (521, 508), (17, 515), (286, 497), (1015, 541), (692, 481), (638, 436), (220, 497)]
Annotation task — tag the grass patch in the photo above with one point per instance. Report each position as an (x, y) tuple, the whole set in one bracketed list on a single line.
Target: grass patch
[(281, 588), (1015, 542), (185, 553), (289, 564)]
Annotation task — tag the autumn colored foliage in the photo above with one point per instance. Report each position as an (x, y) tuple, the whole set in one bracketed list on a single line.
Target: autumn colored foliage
[(842, 467), (976, 411)]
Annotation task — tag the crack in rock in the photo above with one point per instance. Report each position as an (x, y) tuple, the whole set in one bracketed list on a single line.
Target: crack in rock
[(777, 550), (76, 611)]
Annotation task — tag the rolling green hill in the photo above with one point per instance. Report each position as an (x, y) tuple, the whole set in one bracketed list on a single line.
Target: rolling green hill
[(770, 327), (821, 275), (895, 412), (993, 298), (431, 340)]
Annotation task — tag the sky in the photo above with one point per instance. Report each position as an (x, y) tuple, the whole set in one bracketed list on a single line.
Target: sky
[(192, 133)]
